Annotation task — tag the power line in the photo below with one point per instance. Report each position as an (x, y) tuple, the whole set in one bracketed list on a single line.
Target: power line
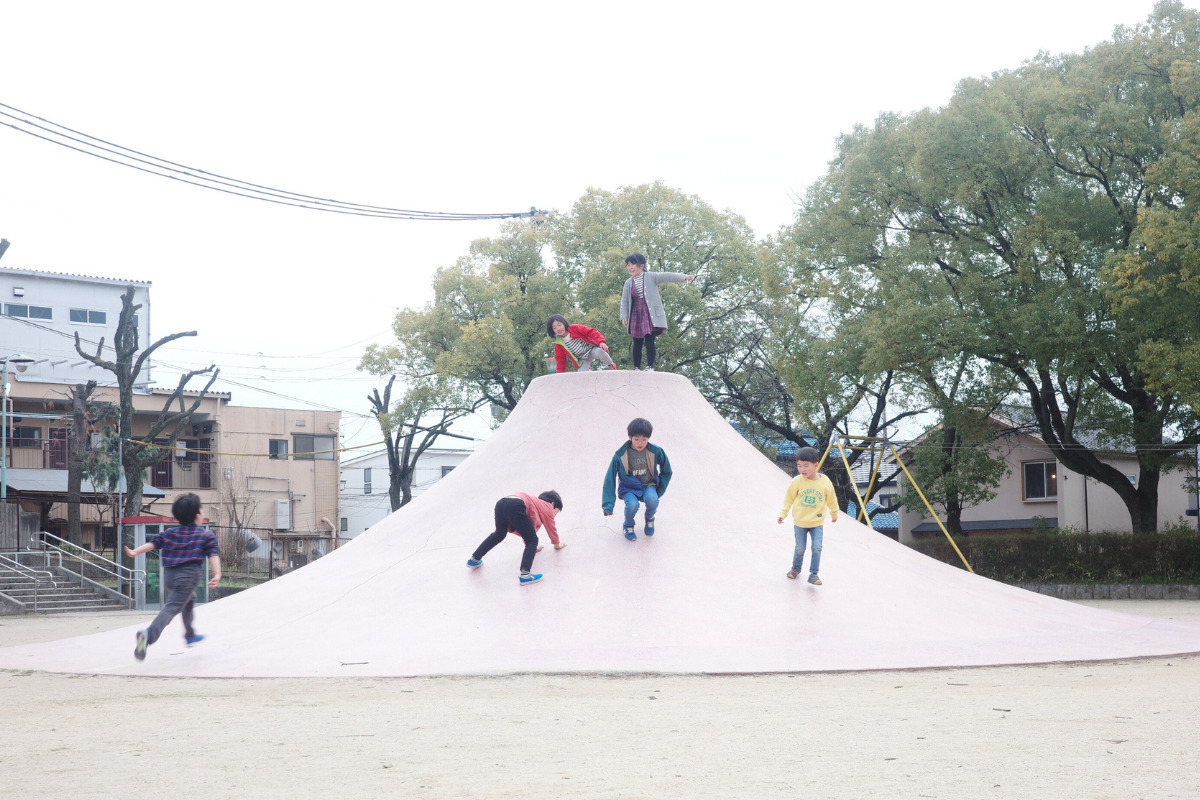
[(61, 135)]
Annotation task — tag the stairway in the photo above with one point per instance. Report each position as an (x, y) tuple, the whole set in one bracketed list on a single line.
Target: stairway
[(64, 593)]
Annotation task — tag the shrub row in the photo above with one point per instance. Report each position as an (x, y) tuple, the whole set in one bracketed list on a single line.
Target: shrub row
[(1069, 557)]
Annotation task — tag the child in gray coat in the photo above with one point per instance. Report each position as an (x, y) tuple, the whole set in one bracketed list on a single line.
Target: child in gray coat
[(642, 311)]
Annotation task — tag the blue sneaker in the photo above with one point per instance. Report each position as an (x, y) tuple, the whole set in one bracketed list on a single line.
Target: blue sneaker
[(528, 578), (474, 563), (650, 527), (629, 534), (191, 640), (139, 650)]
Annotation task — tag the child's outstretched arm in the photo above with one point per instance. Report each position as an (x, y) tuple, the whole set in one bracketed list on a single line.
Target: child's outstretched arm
[(142, 548)]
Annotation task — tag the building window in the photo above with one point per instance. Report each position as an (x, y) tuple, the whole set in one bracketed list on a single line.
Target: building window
[(366, 480), (32, 312), (278, 448), (308, 447), (446, 471), (345, 524), (1041, 480), (25, 437), (88, 317)]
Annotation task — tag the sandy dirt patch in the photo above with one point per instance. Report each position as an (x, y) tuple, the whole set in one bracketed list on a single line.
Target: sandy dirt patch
[(1088, 730)]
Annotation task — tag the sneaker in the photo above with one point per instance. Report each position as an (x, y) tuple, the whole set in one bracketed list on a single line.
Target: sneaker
[(196, 639), (139, 651), (650, 527), (814, 580), (474, 563), (793, 574), (649, 369), (630, 535), (528, 578)]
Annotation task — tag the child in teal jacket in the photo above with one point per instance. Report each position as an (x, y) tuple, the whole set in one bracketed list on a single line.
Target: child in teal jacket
[(639, 471)]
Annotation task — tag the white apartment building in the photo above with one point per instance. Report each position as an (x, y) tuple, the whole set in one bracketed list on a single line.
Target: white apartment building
[(364, 497)]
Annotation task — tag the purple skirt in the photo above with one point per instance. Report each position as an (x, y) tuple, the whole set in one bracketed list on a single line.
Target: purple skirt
[(639, 319)]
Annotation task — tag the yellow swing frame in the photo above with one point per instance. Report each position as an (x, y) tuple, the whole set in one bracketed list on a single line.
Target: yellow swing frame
[(836, 441)]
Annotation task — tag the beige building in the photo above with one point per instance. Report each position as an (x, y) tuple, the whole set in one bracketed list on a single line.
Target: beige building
[(1039, 490), (270, 470)]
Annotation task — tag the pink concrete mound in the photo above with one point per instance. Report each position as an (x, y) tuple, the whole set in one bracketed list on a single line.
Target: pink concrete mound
[(706, 594)]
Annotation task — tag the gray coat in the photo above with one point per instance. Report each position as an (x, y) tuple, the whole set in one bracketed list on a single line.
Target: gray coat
[(658, 315)]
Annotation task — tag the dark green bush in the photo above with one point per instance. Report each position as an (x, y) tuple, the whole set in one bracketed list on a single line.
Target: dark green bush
[(1071, 557)]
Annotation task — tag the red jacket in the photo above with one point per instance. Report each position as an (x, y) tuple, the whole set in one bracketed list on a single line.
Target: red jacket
[(561, 354), (540, 513)]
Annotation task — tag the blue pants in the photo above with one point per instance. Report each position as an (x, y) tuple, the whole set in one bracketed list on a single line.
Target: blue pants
[(802, 534), (650, 496)]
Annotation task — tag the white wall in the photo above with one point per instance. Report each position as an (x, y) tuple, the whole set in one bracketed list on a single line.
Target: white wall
[(42, 339), (362, 510)]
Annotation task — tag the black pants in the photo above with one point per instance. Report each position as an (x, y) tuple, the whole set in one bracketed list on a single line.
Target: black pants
[(510, 513), (650, 351)]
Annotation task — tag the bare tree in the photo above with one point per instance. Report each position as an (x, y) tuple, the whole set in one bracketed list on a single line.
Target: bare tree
[(168, 424), (432, 404)]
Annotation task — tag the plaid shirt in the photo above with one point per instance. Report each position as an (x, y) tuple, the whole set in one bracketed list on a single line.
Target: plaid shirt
[(185, 544)]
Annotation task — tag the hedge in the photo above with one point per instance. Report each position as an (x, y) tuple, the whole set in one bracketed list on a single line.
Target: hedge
[(1070, 557)]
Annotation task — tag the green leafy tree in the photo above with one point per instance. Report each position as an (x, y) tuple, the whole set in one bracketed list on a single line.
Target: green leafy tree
[(957, 464), (1023, 199), (677, 233), (484, 333)]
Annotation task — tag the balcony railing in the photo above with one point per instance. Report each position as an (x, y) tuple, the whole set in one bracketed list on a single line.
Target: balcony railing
[(170, 473), (37, 454), (174, 474)]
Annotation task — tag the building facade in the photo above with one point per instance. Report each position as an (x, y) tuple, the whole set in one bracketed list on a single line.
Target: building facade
[(365, 479), (272, 472)]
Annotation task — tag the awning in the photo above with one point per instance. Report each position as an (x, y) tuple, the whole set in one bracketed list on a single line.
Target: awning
[(54, 482)]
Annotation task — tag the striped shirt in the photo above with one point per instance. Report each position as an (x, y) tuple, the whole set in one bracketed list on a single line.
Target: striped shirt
[(185, 544)]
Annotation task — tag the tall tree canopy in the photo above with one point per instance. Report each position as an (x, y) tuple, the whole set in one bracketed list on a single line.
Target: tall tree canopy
[(1043, 224)]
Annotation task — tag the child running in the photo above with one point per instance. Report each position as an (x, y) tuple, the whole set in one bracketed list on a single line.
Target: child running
[(524, 515), (184, 549), (639, 471), (808, 496), (577, 344), (642, 311)]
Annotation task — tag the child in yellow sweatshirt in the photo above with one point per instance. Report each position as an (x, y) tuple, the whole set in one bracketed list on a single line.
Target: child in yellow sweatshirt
[(808, 496)]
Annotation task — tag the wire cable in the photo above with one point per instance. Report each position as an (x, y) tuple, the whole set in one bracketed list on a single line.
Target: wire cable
[(30, 124)]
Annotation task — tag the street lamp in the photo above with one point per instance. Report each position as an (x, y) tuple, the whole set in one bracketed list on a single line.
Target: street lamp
[(21, 363)]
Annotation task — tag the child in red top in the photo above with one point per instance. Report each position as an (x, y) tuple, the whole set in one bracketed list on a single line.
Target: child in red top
[(523, 515), (577, 344)]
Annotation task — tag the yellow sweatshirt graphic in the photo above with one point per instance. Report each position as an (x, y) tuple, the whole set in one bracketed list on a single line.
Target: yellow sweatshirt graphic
[(808, 501)]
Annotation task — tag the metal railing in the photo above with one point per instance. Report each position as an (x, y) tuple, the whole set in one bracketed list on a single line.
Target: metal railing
[(32, 574), (58, 548)]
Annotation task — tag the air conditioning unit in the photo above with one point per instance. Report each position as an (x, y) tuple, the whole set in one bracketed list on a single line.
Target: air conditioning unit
[(283, 515), (95, 440)]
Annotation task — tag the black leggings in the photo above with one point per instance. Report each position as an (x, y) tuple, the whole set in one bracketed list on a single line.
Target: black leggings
[(510, 513), (650, 351)]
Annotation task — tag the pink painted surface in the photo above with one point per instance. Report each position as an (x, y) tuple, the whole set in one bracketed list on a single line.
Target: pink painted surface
[(707, 594)]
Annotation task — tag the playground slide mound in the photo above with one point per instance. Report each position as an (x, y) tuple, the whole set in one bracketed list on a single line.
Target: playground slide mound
[(706, 594)]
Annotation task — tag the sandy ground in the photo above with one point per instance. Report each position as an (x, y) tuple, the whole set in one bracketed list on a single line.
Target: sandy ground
[(1123, 730)]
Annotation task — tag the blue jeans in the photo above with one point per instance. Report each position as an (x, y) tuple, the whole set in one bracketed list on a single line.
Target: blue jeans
[(802, 534), (650, 496)]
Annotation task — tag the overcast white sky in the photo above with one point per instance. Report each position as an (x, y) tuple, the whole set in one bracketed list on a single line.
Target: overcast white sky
[(467, 107)]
